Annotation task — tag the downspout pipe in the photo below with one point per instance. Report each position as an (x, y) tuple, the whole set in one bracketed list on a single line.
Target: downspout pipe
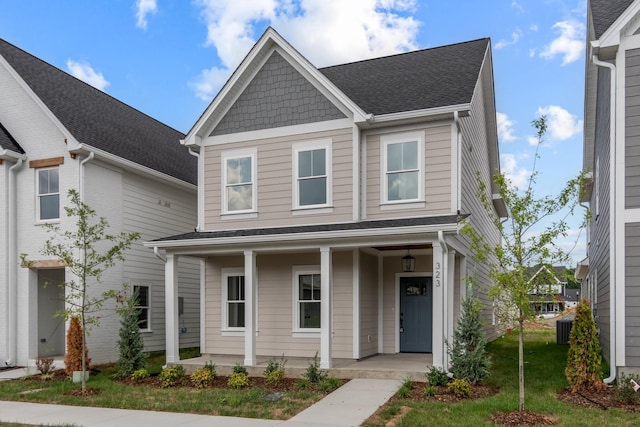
[(82, 164), (200, 199), (612, 220), (12, 265)]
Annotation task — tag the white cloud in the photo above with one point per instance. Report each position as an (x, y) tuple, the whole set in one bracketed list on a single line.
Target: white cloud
[(569, 44), (505, 128), (561, 124), (519, 177), (144, 8), (326, 32), (84, 72), (515, 36)]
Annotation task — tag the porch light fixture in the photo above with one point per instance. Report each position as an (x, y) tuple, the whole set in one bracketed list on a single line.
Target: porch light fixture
[(408, 263)]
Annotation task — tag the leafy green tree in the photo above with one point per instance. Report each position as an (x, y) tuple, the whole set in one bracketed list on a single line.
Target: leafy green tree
[(130, 342), (528, 239), (584, 359), (87, 250), (469, 359)]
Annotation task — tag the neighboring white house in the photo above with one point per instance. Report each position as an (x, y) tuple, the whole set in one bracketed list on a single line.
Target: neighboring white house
[(58, 133), (317, 185)]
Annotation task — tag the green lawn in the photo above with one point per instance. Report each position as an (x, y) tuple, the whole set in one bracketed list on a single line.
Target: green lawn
[(544, 377)]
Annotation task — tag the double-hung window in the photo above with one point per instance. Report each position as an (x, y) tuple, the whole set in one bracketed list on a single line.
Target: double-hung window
[(402, 168), (233, 297), (312, 174), (307, 300), (142, 306), (239, 181), (48, 199)]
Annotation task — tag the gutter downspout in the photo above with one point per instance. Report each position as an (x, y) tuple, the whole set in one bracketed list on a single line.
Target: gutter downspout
[(12, 264), (82, 163), (612, 220), (159, 255), (200, 197), (445, 296)]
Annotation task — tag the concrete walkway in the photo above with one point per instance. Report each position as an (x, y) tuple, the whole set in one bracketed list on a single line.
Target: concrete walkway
[(350, 405)]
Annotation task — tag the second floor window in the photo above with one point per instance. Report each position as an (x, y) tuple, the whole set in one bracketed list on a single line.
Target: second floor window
[(312, 174), (48, 194), (239, 182), (403, 168)]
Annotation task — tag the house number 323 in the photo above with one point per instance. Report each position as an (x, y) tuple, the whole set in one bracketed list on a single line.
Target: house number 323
[(437, 274)]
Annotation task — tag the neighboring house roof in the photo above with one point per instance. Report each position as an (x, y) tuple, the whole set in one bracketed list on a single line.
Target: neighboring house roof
[(320, 228), (8, 142), (101, 121), (418, 80), (605, 12)]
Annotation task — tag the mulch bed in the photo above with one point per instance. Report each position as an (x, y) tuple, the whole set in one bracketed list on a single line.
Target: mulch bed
[(523, 418), (600, 399), (443, 395)]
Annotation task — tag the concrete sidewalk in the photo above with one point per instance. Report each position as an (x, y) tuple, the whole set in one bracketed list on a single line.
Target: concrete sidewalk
[(350, 405)]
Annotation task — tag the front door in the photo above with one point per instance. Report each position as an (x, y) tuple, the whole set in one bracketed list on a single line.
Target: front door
[(416, 314), (50, 301)]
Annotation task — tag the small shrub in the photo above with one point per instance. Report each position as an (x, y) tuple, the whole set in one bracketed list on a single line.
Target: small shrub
[(274, 377), (313, 373), (437, 376), (140, 375), (328, 384), (303, 384), (45, 365), (46, 377), (275, 365), (202, 378), (459, 388), (584, 361), (211, 367), (172, 376), (405, 388), (429, 391), (73, 356), (238, 380), (239, 369), (624, 391)]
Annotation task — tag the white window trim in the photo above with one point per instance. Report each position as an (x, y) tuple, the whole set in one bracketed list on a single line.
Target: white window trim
[(226, 329), (38, 195), (299, 332), (325, 144), (386, 140), (148, 306), (237, 154)]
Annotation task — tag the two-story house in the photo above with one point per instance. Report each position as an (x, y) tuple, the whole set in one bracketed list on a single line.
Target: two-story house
[(330, 203), (58, 133), (611, 271)]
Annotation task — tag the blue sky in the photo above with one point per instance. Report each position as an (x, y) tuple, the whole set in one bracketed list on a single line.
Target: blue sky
[(168, 58)]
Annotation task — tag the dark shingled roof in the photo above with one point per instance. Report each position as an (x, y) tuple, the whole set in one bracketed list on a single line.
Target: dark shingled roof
[(417, 80), (605, 12), (101, 121), (320, 228), (8, 142)]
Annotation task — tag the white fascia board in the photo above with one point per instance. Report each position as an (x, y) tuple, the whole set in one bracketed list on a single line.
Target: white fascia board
[(69, 139), (425, 113), (341, 238), (12, 155), (611, 37), (133, 166)]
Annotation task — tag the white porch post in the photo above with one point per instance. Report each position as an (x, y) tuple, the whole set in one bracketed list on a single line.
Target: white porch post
[(449, 277), (171, 309), (325, 307), (249, 308), (438, 306)]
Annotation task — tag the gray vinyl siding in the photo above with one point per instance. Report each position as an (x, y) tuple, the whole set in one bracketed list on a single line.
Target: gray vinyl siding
[(437, 176), (632, 294), (368, 305), (632, 129), (599, 246), (277, 96), (275, 182)]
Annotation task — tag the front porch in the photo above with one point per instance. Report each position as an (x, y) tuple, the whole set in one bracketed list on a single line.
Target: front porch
[(382, 366)]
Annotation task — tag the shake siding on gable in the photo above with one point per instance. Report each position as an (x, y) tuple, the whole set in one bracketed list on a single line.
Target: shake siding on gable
[(275, 182), (437, 175)]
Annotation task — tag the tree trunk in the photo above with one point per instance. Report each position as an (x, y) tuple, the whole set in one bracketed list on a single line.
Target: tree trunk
[(521, 362)]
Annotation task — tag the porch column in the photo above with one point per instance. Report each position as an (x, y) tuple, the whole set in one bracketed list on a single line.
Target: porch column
[(438, 306), (449, 277), (325, 307), (171, 309), (249, 308)]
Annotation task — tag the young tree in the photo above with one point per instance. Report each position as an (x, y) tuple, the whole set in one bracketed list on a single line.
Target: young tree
[(130, 344), (469, 359), (73, 356), (528, 241), (88, 251)]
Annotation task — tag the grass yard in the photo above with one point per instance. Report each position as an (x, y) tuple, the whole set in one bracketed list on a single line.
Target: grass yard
[(544, 378)]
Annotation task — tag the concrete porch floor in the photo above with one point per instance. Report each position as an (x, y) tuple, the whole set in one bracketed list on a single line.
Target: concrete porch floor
[(381, 366)]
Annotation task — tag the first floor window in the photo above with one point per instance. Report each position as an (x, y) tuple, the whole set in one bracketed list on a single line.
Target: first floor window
[(48, 194), (235, 301), (308, 300), (142, 305)]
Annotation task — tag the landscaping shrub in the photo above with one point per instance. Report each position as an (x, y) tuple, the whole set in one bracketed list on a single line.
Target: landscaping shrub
[(313, 373), (139, 375), (624, 391), (45, 365), (429, 391), (274, 372), (303, 384), (437, 376), (202, 377), (584, 360), (211, 367), (459, 388), (405, 388), (328, 384), (238, 380), (73, 356), (239, 369), (130, 342), (172, 376)]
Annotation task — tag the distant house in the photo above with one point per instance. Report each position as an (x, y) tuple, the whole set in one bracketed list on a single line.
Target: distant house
[(58, 133), (611, 272), (549, 296), (331, 201)]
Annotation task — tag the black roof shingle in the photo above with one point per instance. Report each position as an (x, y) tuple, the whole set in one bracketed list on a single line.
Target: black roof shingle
[(8, 142), (101, 121), (605, 12)]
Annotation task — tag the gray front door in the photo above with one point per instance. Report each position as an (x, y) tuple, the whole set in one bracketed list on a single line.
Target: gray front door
[(50, 300), (416, 314)]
